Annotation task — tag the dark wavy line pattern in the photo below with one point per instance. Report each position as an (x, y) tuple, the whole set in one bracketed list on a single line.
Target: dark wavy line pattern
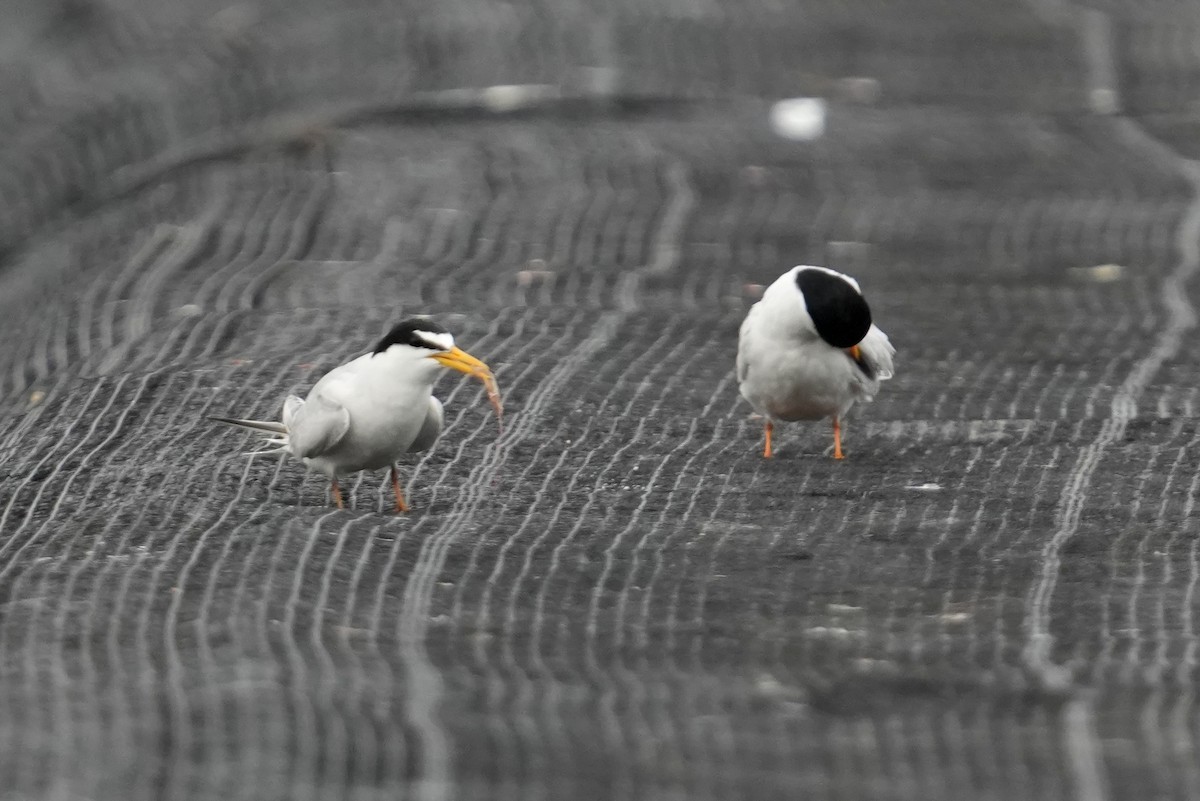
[(206, 205)]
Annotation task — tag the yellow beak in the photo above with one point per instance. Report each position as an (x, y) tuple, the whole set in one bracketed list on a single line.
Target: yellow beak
[(855, 353), (458, 359)]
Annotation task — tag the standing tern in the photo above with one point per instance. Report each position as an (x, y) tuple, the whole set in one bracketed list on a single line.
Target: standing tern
[(365, 414), (808, 350)]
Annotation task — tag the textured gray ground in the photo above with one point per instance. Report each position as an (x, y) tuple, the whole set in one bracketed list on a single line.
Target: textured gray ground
[(203, 207)]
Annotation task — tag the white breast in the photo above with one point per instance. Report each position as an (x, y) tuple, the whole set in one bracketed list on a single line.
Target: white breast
[(788, 374)]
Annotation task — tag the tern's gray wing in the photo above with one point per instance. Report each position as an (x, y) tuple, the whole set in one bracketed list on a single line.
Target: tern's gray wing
[(743, 359), (316, 426), (293, 404), (877, 352), (430, 429)]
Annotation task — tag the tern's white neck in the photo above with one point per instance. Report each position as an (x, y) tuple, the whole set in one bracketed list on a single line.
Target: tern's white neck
[(399, 373), (781, 312)]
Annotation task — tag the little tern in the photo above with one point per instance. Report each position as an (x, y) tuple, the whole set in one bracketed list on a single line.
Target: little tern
[(368, 412), (808, 350)]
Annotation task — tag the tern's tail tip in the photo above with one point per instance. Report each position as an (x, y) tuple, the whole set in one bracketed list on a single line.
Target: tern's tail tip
[(266, 426)]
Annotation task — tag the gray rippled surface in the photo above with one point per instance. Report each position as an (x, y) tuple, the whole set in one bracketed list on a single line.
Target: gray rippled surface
[(205, 205)]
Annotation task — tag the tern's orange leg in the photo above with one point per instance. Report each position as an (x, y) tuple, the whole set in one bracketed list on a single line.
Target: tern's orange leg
[(837, 438), (767, 448), (401, 506), (337, 494)]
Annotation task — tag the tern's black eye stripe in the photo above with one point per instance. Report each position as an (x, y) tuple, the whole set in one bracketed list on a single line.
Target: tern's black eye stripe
[(839, 313), (409, 332)]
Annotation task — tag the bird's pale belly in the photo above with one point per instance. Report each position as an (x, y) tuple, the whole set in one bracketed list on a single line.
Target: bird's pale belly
[(791, 411), (803, 388)]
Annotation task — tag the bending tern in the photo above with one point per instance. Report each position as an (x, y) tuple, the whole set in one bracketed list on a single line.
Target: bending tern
[(808, 350), (367, 413)]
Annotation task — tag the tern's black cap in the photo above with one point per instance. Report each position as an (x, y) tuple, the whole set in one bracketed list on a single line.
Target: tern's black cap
[(839, 312), (408, 332)]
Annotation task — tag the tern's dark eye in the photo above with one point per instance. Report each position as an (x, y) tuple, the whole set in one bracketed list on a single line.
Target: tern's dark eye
[(839, 313), (415, 332)]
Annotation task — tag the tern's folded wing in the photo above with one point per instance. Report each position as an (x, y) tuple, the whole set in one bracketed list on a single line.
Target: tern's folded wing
[(317, 426), (745, 333), (877, 352)]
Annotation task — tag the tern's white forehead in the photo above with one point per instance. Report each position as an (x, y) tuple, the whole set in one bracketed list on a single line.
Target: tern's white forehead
[(442, 340)]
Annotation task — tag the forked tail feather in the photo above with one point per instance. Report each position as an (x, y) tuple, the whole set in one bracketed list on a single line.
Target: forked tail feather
[(278, 433)]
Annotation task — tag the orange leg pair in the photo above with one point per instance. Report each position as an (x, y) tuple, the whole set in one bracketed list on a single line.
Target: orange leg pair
[(401, 506), (837, 439)]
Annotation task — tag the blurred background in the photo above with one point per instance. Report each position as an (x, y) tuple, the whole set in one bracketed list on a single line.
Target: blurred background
[(205, 205)]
